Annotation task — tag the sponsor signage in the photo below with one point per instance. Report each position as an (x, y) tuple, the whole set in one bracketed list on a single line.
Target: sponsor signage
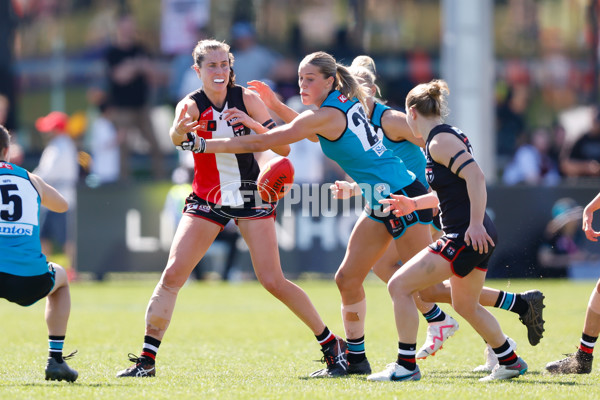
[(128, 228)]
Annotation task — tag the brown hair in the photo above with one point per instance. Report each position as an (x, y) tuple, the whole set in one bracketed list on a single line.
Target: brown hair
[(4, 138), (344, 81), (204, 46), (429, 98)]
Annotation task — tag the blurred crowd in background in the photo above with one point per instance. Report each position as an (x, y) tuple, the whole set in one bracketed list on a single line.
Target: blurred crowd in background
[(117, 67), (88, 87)]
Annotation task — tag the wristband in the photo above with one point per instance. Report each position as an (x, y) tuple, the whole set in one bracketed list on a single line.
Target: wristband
[(201, 146), (195, 143)]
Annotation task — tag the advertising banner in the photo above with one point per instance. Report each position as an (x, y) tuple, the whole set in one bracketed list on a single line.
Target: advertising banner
[(130, 228)]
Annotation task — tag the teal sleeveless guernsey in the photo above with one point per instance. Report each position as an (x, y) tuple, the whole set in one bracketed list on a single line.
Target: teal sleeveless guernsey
[(408, 152), (362, 155), (20, 247)]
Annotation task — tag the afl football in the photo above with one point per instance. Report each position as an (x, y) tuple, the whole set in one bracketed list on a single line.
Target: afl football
[(275, 179)]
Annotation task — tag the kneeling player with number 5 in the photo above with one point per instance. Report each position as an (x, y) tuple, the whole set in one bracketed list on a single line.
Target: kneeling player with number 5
[(25, 275)]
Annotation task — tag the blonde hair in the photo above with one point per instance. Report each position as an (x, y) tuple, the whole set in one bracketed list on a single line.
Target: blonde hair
[(364, 68), (343, 81), (429, 99), (366, 62), (366, 75), (204, 46)]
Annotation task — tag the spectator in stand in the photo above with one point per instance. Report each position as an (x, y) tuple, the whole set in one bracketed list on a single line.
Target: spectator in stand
[(510, 123), (558, 148), (15, 150), (285, 79), (252, 61), (130, 75), (183, 79), (584, 158), (59, 167), (561, 246), (104, 144), (532, 163)]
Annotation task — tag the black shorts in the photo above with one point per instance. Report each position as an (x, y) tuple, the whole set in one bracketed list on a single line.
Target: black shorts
[(26, 290), (396, 226), (462, 258), (221, 215)]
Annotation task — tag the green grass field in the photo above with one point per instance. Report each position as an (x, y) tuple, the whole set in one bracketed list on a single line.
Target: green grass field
[(237, 341)]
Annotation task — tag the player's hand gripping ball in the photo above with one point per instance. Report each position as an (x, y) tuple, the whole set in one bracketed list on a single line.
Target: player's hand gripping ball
[(275, 179)]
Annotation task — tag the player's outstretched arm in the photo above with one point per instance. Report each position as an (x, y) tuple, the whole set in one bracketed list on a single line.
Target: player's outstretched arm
[(270, 99), (402, 205)]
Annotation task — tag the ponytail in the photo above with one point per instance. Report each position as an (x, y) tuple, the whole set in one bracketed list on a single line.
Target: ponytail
[(347, 84), (367, 75), (429, 99)]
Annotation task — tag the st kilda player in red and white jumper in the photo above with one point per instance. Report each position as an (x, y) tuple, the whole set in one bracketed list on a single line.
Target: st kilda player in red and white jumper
[(224, 188)]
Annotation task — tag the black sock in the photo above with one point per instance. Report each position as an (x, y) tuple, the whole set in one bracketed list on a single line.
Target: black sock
[(511, 302), (150, 348), (356, 350), (325, 338), (406, 355), (506, 356), (55, 345), (435, 314), (587, 343)]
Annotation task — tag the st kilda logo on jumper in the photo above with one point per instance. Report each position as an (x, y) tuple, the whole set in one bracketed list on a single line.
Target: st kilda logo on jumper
[(238, 128), (429, 174)]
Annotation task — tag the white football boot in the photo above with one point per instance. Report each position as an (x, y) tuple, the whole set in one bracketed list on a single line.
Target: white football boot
[(437, 334), (491, 360), (395, 372), (501, 372)]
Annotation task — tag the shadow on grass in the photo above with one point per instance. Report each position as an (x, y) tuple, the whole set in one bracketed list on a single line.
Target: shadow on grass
[(67, 384), (538, 378), (324, 378)]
